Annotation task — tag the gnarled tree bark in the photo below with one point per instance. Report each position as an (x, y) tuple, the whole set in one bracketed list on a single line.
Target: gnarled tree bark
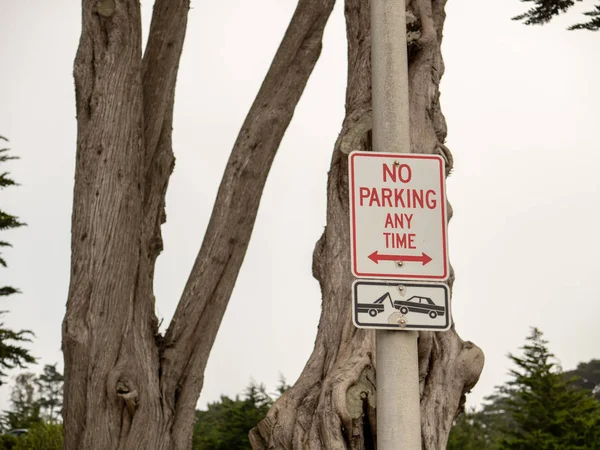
[(126, 386), (332, 404)]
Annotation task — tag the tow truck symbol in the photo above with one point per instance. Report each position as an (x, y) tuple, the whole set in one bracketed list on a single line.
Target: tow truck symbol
[(416, 303), (374, 308)]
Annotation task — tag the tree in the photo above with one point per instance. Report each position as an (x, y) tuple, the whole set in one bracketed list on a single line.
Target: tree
[(225, 424), (544, 11), (25, 405), (547, 411), (587, 376), (35, 399), (482, 429), (12, 354), (539, 401), (468, 433), (50, 387), (126, 385)]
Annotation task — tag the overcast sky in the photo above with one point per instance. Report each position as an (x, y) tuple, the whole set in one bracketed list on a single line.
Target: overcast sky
[(522, 111)]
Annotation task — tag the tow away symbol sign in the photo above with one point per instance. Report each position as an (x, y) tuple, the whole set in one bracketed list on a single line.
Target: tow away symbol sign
[(398, 216), (395, 305)]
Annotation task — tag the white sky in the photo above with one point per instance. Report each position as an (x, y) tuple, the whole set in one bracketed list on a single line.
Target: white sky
[(522, 111)]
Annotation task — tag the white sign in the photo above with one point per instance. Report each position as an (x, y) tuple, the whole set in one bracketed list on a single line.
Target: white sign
[(395, 305), (398, 216)]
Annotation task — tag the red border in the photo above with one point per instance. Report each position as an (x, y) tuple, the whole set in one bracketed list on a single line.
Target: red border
[(353, 217)]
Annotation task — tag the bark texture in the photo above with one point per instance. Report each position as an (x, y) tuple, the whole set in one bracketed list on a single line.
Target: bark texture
[(127, 387), (332, 404)]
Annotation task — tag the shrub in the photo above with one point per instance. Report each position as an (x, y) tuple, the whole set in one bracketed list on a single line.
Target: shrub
[(42, 436), (7, 442)]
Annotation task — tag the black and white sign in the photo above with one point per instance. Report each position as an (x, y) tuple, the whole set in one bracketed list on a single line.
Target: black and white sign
[(400, 305)]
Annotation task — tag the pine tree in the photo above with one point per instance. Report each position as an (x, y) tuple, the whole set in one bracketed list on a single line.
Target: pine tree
[(50, 387), (547, 411), (11, 353)]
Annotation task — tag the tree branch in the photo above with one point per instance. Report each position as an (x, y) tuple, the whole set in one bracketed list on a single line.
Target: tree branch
[(159, 75), (194, 326), (160, 65)]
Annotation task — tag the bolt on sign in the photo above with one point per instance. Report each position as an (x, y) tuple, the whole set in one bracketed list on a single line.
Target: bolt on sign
[(398, 216)]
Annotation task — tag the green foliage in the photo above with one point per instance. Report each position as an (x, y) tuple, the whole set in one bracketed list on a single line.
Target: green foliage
[(8, 442), (483, 429), (12, 354), (593, 24), (225, 424), (543, 11), (42, 436), (7, 221)]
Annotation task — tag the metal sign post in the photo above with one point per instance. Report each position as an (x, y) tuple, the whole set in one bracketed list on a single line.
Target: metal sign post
[(398, 400)]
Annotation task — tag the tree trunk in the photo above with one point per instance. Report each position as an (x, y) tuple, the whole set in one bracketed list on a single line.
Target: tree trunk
[(127, 387), (332, 404)]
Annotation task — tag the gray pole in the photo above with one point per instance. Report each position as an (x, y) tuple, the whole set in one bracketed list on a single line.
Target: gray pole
[(398, 400)]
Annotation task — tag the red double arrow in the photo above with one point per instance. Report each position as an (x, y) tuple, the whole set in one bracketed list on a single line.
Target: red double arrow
[(376, 257)]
